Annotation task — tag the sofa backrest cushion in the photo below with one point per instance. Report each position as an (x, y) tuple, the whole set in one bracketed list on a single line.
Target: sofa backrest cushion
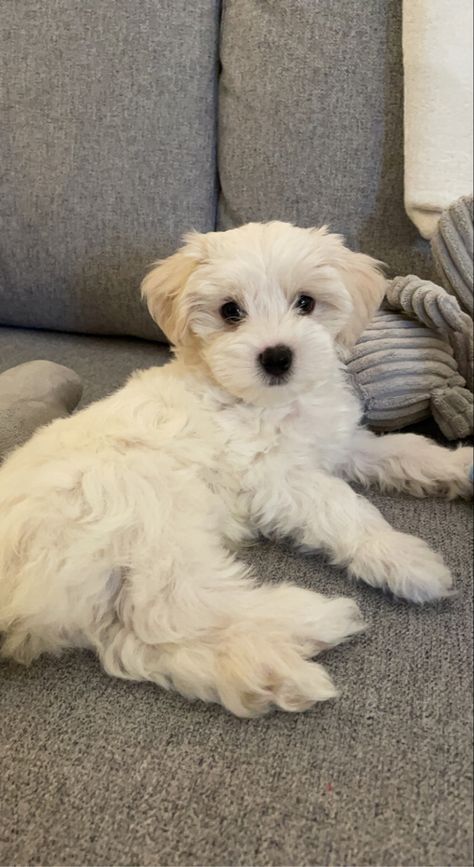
[(107, 144), (311, 122)]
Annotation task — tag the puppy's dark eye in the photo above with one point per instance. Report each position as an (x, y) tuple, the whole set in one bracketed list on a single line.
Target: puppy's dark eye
[(231, 312), (305, 304)]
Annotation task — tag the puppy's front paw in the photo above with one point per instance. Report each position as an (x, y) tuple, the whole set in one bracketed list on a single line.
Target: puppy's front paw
[(337, 621), (461, 483), (403, 564)]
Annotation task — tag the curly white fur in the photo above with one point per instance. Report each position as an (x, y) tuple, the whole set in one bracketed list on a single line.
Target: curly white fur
[(118, 526)]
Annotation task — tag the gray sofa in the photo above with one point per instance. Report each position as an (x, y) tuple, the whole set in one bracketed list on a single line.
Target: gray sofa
[(123, 125)]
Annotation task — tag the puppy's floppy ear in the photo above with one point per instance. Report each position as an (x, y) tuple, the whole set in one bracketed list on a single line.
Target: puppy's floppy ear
[(363, 280), (164, 288), (366, 285)]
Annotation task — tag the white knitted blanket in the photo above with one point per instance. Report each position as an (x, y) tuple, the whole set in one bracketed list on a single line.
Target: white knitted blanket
[(438, 71)]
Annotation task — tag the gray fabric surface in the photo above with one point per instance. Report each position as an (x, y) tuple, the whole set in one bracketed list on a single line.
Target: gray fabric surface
[(95, 771), (103, 363), (453, 251), (428, 303), (453, 411), (311, 122), (107, 141), (397, 365), (33, 394)]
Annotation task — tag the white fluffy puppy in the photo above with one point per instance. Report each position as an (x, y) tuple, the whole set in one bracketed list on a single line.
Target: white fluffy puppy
[(117, 525)]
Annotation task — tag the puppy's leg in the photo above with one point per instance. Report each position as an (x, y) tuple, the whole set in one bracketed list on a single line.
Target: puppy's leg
[(324, 512), (214, 634), (410, 463)]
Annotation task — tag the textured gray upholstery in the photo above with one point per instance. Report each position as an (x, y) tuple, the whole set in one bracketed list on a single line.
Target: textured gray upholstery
[(108, 141), (96, 771)]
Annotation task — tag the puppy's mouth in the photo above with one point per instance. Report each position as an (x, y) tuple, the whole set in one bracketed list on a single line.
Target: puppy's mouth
[(280, 379)]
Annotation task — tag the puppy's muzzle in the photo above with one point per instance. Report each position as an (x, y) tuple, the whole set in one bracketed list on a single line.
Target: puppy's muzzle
[(276, 361)]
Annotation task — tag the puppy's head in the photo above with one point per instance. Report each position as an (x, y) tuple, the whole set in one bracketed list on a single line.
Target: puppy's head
[(267, 307)]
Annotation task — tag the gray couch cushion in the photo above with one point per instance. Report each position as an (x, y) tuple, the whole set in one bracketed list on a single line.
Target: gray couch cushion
[(311, 122), (108, 140), (101, 771)]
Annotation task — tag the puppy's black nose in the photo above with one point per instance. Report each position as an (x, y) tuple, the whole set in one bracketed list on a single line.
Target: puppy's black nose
[(276, 360)]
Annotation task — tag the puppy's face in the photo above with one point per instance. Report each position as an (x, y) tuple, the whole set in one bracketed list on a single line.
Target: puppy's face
[(267, 308)]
